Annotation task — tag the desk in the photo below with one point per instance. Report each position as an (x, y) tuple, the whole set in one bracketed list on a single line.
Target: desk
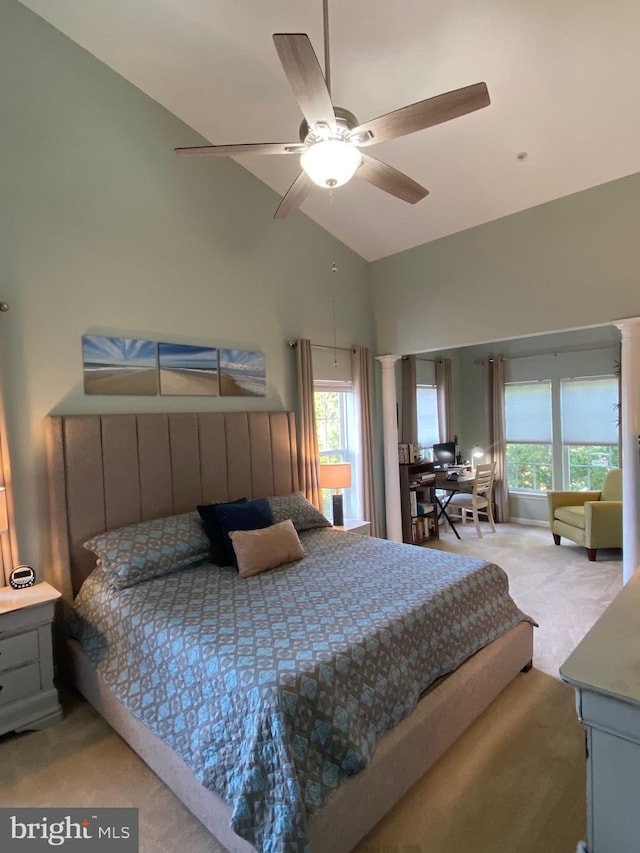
[(464, 483)]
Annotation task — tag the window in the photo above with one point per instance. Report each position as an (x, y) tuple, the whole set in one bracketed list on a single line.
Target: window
[(529, 436), (335, 425), (577, 417), (427, 405), (589, 430)]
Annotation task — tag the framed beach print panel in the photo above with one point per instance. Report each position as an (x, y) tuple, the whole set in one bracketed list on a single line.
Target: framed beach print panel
[(242, 373), (119, 366), (188, 370)]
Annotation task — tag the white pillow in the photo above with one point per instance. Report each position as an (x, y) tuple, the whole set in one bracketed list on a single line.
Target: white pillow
[(260, 550)]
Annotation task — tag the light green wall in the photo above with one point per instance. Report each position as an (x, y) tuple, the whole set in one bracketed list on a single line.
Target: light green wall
[(104, 230), (571, 263)]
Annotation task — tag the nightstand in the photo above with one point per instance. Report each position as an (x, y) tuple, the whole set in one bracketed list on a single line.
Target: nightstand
[(28, 697), (355, 525)]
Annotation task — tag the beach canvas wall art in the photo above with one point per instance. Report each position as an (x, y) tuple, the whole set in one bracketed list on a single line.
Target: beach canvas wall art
[(242, 373), (188, 370), (119, 366)]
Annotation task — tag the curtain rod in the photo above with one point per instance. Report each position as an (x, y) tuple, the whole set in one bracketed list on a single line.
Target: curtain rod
[(421, 358), (293, 344), (546, 352)]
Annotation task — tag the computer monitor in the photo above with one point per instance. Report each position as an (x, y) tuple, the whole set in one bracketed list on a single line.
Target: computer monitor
[(444, 454)]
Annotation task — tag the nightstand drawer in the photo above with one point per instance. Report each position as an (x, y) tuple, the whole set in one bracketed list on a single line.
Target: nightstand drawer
[(14, 651), (19, 683)]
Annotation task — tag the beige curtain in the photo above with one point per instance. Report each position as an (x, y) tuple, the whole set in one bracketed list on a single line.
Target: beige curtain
[(362, 388), (8, 546), (495, 452), (308, 454), (444, 386), (409, 432)]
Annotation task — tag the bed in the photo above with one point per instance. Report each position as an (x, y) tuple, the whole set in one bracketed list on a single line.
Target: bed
[(110, 471)]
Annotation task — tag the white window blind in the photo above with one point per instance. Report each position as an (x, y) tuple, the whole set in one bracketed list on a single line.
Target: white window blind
[(427, 404), (589, 410), (528, 412), (332, 385)]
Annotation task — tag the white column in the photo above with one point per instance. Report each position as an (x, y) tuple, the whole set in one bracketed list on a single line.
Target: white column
[(630, 411), (390, 430)]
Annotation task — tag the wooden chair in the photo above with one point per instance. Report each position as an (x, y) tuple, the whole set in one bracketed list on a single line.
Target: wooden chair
[(480, 499)]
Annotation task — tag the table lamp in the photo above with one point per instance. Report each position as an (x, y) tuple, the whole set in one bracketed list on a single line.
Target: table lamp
[(336, 475), (476, 455)]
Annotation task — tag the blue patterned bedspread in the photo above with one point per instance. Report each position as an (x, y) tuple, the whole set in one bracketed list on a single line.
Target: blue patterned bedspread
[(275, 688)]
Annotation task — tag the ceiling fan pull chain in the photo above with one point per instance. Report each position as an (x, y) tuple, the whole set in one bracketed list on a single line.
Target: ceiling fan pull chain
[(334, 270), (327, 64)]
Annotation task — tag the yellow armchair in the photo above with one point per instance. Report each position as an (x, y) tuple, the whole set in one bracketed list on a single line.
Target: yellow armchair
[(592, 519)]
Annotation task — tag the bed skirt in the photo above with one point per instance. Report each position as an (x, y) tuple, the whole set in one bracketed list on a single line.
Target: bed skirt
[(401, 758)]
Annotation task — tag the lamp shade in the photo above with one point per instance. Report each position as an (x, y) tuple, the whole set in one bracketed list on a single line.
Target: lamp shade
[(331, 163), (477, 453), (335, 475)]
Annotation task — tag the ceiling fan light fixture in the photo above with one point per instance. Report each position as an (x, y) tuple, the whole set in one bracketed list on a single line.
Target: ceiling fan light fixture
[(331, 162)]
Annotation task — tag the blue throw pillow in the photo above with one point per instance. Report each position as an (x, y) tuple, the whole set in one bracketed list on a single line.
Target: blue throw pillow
[(215, 534), (252, 515)]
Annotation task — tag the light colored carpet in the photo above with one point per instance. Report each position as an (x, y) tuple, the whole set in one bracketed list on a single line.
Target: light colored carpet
[(513, 782), (556, 585)]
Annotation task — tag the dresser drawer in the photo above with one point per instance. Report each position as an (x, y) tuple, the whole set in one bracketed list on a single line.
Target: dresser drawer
[(14, 651), (18, 683)]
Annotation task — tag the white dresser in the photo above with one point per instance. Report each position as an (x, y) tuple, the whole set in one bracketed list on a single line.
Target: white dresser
[(604, 670), (28, 697)]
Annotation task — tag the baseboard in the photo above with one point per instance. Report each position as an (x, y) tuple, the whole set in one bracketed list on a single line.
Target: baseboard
[(530, 522)]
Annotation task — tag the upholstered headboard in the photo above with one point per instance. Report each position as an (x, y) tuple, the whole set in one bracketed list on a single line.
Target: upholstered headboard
[(107, 471)]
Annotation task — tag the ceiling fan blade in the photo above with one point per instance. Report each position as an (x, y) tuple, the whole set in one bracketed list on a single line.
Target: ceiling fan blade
[(305, 77), (390, 180), (422, 115), (294, 196), (250, 148)]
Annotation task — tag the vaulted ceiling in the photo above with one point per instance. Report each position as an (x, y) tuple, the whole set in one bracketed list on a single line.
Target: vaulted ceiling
[(562, 76)]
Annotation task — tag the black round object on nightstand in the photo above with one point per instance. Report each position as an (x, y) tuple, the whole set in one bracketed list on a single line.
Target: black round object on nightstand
[(21, 577)]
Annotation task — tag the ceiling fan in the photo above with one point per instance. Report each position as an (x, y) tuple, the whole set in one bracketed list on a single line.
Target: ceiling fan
[(331, 137)]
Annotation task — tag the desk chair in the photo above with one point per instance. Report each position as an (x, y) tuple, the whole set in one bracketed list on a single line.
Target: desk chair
[(480, 499)]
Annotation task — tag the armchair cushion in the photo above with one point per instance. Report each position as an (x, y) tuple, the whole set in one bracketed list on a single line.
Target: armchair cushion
[(573, 499), (573, 515)]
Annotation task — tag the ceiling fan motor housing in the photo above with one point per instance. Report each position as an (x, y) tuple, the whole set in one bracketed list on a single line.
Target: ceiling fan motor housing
[(345, 122)]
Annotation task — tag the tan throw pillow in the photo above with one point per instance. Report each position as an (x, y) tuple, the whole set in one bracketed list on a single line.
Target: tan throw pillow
[(267, 548)]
